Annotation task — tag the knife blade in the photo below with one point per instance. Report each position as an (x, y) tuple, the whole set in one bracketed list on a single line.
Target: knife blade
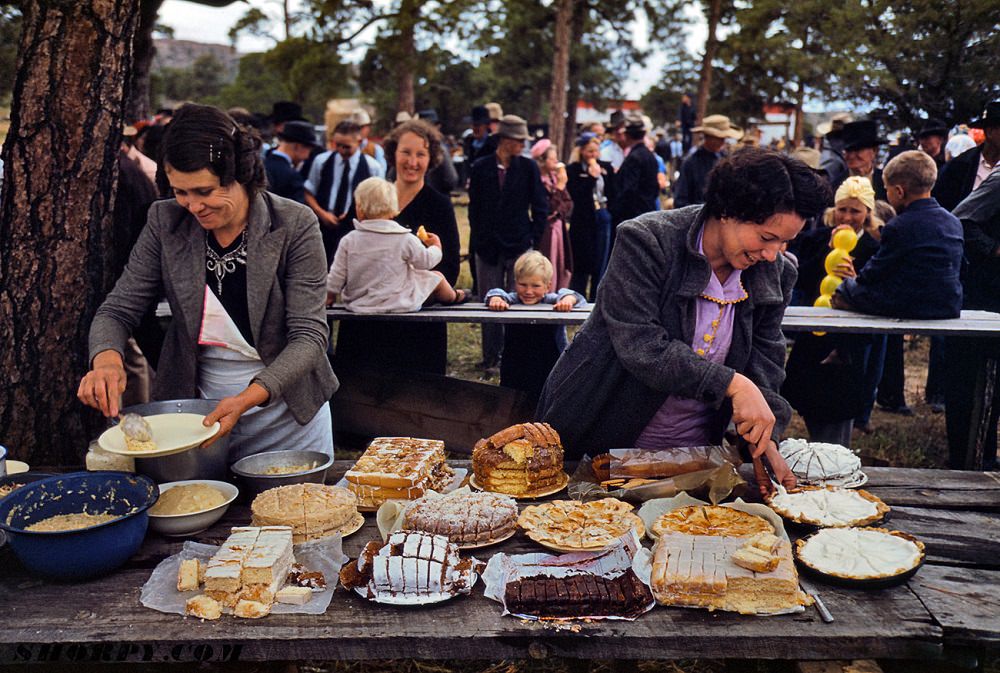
[(821, 608)]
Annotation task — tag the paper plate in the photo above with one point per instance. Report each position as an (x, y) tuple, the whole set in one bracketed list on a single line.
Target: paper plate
[(407, 601), (488, 543), (552, 490), (172, 433), (356, 524)]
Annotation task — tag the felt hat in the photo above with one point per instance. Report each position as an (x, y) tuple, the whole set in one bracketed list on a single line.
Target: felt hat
[(718, 126), (285, 111), (403, 116), (834, 127), (808, 156), (361, 118), (617, 119), (933, 127), (540, 148), (861, 134), (480, 115), (512, 126), (990, 116), (496, 112), (429, 115), (298, 132)]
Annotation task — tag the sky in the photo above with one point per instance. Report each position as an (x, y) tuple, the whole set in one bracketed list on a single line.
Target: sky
[(201, 23)]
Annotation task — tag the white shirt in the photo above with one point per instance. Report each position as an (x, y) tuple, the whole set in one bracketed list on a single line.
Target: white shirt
[(613, 154), (983, 172), (316, 170)]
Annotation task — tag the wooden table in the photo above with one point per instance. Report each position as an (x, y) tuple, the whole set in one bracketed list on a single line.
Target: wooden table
[(948, 611)]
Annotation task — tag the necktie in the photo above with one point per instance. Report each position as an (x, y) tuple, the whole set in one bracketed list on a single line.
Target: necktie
[(501, 175), (340, 204)]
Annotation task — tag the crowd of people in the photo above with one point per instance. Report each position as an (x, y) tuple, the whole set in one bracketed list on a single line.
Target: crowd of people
[(667, 233)]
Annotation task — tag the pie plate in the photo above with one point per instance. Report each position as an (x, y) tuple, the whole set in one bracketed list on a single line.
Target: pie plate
[(805, 525), (858, 583), (356, 524), (552, 490), (407, 601), (640, 529), (172, 433)]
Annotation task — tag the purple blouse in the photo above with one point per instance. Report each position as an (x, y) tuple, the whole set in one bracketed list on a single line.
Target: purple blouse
[(683, 421)]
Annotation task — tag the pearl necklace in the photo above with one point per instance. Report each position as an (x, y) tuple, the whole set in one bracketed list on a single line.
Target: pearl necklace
[(722, 303)]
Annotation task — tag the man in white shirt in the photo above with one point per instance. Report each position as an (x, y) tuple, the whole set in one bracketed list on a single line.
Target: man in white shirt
[(963, 174), (332, 180)]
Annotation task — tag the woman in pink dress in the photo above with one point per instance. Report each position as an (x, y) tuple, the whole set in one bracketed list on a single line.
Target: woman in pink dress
[(555, 240)]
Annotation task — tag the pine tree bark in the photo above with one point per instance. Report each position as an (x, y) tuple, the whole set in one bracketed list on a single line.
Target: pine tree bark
[(711, 49), (560, 74), (60, 172), (138, 104), (409, 11)]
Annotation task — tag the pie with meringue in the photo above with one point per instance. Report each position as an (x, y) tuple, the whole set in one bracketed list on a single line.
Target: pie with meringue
[(860, 553), (828, 507)]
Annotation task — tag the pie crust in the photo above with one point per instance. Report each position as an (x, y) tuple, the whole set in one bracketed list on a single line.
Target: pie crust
[(711, 520), (571, 524), (828, 507), (860, 553)]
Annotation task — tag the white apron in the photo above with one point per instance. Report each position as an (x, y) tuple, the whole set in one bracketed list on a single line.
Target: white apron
[(226, 365)]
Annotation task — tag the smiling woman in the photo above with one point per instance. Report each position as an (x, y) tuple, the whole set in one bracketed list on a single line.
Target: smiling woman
[(686, 334), (243, 271)]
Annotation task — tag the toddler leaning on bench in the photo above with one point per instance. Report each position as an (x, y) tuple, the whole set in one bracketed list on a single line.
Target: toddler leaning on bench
[(530, 351), (381, 266)]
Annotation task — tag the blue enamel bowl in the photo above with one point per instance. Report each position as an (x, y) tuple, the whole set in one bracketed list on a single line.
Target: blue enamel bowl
[(86, 552)]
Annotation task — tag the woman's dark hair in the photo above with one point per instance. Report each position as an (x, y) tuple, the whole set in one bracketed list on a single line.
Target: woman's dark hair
[(417, 127), (202, 136), (753, 184)]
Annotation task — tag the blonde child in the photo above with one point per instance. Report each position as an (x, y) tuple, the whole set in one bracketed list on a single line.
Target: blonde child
[(530, 351), (381, 267)]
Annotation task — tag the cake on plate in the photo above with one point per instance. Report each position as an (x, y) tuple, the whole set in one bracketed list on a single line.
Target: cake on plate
[(699, 571), (572, 524), (828, 507), (463, 517), (819, 464), (521, 460), (312, 511), (711, 520), (398, 468), (248, 570)]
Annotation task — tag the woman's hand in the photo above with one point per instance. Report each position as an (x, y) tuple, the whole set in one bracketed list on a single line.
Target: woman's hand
[(594, 169), (780, 468), (752, 416), (103, 385), (566, 303), (498, 304), (228, 411)]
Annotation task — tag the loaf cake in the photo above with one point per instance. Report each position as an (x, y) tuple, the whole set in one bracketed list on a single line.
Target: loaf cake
[(578, 596), (312, 511), (398, 468), (464, 518), (699, 571), (521, 460), (412, 564)]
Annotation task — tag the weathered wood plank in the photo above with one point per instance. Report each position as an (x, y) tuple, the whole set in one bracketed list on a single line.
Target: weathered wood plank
[(952, 537), (964, 601)]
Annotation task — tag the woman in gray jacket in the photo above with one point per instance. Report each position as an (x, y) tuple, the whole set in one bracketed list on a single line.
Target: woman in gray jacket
[(244, 273), (686, 332)]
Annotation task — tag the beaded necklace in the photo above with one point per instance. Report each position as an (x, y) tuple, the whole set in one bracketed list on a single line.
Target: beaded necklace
[(722, 303)]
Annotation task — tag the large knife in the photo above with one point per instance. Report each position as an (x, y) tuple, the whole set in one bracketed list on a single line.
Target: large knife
[(810, 589)]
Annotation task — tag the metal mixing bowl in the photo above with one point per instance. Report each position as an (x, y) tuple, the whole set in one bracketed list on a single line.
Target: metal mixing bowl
[(251, 470), (198, 463)]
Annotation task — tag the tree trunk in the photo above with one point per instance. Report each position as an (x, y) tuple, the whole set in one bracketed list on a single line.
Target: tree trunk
[(711, 48), (60, 173), (409, 11), (573, 89), (560, 74), (138, 104)]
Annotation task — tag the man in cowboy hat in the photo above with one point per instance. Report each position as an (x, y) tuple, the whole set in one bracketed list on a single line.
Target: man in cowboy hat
[(481, 142), (931, 137), (861, 141), (636, 181), (613, 146), (967, 171), (296, 141), (690, 187), (832, 154), (503, 188)]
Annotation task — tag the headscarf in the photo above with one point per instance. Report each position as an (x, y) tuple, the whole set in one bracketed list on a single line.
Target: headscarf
[(857, 187)]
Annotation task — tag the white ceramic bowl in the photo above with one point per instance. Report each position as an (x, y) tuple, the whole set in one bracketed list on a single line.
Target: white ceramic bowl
[(179, 525)]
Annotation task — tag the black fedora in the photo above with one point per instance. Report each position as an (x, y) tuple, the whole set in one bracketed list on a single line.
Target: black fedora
[(617, 119), (286, 111), (933, 127), (298, 132), (990, 116), (860, 134), (480, 115)]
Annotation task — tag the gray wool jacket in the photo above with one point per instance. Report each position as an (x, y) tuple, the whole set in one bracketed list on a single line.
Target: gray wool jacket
[(286, 297), (635, 349)]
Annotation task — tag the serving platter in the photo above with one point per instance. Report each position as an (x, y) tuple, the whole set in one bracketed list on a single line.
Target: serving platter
[(172, 434), (552, 490)]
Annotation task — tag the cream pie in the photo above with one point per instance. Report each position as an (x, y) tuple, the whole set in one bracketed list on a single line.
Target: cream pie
[(819, 464), (829, 507), (860, 553)]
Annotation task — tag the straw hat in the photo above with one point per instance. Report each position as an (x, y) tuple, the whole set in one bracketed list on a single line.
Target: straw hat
[(718, 126)]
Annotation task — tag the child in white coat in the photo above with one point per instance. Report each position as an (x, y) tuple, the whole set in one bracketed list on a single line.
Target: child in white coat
[(381, 267)]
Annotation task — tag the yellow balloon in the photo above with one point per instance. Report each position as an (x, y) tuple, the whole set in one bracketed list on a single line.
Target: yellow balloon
[(836, 256), (823, 301), (845, 240), (829, 284)]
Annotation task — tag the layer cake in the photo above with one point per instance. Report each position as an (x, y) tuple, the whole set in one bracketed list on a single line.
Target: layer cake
[(312, 511), (398, 468), (699, 571), (521, 460)]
